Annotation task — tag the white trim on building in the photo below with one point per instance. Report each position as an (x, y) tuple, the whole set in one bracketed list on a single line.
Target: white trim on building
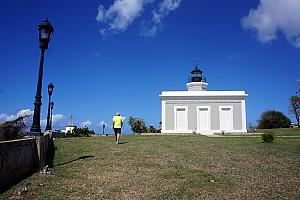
[(203, 93), (163, 115), (244, 122)]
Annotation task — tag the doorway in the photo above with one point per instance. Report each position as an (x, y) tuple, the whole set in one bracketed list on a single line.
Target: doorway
[(203, 118), (226, 118), (181, 117)]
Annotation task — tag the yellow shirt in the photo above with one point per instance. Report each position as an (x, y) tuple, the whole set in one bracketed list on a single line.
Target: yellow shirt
[(118, 120)]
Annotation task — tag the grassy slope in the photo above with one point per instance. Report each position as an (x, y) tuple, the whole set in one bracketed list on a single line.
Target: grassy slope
[(282, 131), (170, 167)]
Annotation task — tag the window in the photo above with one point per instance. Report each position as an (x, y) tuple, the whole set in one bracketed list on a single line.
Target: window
[(203, 109), (226, 109)]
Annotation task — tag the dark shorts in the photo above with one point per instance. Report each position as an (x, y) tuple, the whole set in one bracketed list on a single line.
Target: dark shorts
[(117, 130)]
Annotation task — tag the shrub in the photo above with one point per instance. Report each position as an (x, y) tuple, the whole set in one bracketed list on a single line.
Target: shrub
[(152, 129), (69, 134), (267, 137), (273, 119), (159, 127)]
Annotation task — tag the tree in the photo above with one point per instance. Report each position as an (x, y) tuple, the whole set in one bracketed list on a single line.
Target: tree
[(14, 129), (273, 119), (294, 107), (137, 125)]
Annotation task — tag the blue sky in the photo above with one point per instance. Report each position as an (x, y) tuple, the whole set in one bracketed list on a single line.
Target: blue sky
[(119, 55)]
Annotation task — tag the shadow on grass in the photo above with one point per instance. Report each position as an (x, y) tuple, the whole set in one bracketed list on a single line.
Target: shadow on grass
[(80, 158), (122, 142)]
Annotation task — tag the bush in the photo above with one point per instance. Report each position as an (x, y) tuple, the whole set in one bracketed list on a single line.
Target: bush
[(273, 119), (80, 132), (152, 129), (83, 132), (267, 137)]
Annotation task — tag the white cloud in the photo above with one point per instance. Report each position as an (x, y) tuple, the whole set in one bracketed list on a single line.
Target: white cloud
[(2, 117), (22, 113), (43, 122), (87, 123), (102, 123), (119, 15), (164, 9), (25, 112), (123, 13), (150, 28), (10, 117), (56, 118), (272, 16)]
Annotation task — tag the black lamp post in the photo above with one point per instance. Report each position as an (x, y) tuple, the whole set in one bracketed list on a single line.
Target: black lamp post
[(50, 91), (45, 33), (103, 126), (51, 108)]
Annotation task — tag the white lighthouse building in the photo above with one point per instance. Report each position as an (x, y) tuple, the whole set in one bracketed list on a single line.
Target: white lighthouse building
[(198, 110)]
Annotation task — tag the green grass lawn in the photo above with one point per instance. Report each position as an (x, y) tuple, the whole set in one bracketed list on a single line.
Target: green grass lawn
[(282, 131), (169, 167)]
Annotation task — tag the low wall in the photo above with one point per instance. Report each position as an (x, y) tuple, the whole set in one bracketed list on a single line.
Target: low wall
[(20, 158), (57, 135)]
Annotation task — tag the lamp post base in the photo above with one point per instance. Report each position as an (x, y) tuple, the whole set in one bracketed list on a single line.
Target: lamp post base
[(35, 133)]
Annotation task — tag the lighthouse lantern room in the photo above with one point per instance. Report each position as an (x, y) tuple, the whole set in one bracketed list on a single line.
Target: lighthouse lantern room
[(197, 82)]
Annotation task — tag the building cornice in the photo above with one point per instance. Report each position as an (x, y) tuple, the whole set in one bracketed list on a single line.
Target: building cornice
[(203, 94)]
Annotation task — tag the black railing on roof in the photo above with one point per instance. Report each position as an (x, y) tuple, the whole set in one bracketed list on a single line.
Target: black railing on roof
[(197, 79)]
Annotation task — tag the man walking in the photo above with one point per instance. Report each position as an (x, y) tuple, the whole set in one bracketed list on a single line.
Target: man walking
[(117, 125)]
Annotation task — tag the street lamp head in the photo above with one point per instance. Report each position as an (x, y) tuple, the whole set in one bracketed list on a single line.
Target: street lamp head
[(45, 32), (51, 105), (50, 89)]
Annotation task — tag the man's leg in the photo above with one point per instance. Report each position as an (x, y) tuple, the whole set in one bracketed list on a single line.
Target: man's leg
[(118, 137), (116, 134)]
